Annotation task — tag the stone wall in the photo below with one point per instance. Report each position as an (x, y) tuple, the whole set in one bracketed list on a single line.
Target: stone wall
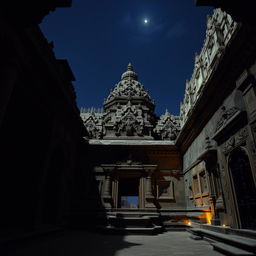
[(220, 28)]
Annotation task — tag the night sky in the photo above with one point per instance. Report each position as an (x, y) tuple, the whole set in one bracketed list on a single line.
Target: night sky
[(99, 38)]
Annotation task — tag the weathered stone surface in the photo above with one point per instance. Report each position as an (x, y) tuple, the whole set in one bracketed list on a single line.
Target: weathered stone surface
[(216, 124), (129, 114)]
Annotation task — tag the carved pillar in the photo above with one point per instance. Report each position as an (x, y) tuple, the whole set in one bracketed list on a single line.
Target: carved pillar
[(149, 202), (149, 187), (107, 194), (210, 159), (107, 188), (141, 193)]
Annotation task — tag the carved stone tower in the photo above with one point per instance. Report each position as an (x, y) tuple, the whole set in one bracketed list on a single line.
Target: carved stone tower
[(129, 110), (128, 114)]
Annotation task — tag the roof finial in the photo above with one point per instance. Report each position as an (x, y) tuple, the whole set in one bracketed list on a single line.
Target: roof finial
[(129, 73), (129, 67)]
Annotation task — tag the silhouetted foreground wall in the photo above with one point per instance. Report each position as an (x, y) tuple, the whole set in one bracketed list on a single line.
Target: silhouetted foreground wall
[(40, 127)]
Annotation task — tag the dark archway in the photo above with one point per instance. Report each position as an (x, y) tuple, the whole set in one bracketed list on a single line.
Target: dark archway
[(128, 187), (244, 187)]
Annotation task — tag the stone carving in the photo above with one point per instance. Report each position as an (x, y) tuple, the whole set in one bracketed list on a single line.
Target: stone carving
[(220, 28), (129, 114), (229, 145), (128, 87), (225, 115), (130, 124), (93, 124), (208, 143), (168, 126), (235, 141), (242, 135), (129, 110)]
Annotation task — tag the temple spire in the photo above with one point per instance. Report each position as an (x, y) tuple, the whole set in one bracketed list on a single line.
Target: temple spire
[(129, 67), (129, 73)]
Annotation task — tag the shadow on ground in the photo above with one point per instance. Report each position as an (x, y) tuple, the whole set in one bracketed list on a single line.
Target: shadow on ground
[(68, 243)]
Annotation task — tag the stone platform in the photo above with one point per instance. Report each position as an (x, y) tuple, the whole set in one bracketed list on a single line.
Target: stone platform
[(226, 240), (80, 243)]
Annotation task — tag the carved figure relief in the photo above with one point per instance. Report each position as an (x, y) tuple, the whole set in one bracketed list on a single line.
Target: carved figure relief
[(234, 141), (225, 115), (129, 124)]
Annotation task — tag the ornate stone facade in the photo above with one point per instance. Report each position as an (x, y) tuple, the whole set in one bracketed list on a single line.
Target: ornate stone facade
[(129, 114), (220, 28), (197, 163), (217, 116), (168, 126), (132, 153)]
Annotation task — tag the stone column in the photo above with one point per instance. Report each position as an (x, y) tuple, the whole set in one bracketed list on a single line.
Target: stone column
[(149, 187), (141, 193), (107, 194), (107, 187), (149, 202)]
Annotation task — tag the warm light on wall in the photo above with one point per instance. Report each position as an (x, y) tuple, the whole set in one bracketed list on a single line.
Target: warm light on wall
[(189, 223), (208, 217)]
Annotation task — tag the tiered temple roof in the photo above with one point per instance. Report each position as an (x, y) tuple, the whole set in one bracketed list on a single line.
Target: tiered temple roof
[(128, 113)]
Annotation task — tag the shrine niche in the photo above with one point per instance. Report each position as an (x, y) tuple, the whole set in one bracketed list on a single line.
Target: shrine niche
[(165, 190)]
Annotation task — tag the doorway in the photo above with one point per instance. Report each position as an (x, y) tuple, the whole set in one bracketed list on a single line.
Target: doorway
[(244, 187), (128, 193)]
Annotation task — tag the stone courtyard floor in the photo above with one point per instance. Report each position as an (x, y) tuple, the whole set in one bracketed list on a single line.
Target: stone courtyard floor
[(80, 243)]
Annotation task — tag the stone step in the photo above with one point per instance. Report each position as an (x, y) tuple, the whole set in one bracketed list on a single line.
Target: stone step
[(175, 228), (133, 222), (229, 250), (244, 232), (133, 230), (227, 230), (243, 243), (130, 217), (133, 214)]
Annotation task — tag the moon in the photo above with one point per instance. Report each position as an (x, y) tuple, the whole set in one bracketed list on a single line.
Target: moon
[(145, 21)]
